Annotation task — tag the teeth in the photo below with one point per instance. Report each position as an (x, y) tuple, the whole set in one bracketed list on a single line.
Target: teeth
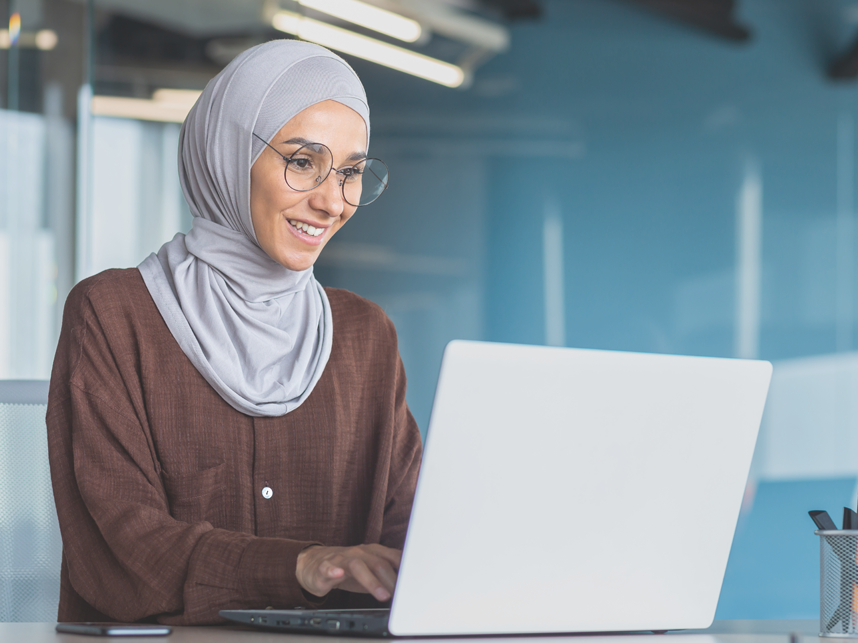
[(307, 228)]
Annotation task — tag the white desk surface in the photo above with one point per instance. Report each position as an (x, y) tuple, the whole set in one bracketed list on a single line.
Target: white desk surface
[(720, 632)]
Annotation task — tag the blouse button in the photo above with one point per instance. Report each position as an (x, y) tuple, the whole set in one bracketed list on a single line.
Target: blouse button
[(267, 492)]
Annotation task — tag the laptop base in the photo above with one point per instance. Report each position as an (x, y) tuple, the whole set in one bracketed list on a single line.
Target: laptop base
[(360, 622)]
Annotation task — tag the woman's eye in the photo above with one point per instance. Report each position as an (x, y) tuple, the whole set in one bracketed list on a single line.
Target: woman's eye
[(302, 165), (352, 174)]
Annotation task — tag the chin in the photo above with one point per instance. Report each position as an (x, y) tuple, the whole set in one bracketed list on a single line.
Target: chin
[(298, 263)]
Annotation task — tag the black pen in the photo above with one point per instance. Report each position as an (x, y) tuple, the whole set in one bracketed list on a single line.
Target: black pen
[(823, 520)]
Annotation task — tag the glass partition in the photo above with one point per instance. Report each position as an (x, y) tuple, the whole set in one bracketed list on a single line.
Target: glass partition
[(42, 45)]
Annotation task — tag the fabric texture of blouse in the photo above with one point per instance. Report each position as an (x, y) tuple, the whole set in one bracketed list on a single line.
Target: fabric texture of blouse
[(159, 482)]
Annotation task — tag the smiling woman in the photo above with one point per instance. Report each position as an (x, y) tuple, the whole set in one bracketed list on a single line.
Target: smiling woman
[(225, 432)]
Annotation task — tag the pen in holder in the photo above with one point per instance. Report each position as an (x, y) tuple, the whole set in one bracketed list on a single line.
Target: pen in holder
[(838, 592)]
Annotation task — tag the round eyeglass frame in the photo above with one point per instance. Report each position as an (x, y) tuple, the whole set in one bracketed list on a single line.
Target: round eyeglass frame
[(289, 159)]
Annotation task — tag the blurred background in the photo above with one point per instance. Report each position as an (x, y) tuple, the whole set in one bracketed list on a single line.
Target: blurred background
[(648, 175)]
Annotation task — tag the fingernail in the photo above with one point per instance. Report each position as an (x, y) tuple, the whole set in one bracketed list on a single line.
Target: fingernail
[(382, 595)]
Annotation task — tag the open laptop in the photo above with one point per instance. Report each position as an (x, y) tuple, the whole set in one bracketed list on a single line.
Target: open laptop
[(567, 490)]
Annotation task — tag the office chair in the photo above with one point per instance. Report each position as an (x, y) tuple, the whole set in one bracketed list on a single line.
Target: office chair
[(30, 544)]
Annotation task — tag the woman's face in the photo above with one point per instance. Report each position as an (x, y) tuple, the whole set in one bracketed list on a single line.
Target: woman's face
[(277, 210)]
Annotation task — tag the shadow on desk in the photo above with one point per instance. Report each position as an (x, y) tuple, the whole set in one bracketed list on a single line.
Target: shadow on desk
[(804, 627)]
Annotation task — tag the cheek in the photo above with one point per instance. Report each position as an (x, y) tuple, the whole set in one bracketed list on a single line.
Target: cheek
[(273, 192), (269, 197), (259, 197)]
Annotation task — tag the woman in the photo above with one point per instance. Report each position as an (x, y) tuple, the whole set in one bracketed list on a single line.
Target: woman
[(224, 432)]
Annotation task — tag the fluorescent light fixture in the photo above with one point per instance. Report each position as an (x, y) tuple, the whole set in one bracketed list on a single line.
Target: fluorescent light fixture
[(369, 16), (445, 20), (46, 39), (166, 106), (370, 49), (176, 97)]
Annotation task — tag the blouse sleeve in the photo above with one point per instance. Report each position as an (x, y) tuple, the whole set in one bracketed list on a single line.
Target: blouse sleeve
[(125, 554), (404, 466)]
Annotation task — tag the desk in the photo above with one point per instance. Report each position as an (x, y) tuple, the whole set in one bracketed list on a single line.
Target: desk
[(720, 632)]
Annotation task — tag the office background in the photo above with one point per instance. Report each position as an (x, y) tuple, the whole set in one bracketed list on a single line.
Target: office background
[(617, 178)]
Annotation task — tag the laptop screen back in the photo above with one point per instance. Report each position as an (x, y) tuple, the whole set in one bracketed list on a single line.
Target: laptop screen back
[(568, 490)]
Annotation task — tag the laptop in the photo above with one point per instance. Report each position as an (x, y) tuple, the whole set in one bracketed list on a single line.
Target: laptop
[(566, 490)]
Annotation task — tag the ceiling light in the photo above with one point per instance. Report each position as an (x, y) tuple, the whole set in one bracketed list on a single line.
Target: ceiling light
[(166, 105), (142, 109), (177, 97), (370, 49), (445, 20), (46, 39), (369, 16)]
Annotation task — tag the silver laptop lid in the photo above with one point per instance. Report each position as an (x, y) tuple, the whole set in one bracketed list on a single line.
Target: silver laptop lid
[(568, 490)]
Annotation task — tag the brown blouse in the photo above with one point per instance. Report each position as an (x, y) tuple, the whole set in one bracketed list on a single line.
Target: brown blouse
[(159, 482)]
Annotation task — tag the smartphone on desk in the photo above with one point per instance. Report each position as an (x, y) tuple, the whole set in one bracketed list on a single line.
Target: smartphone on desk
[(113, 629)]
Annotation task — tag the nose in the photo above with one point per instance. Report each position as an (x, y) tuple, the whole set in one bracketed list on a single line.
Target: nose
[(328, 196)]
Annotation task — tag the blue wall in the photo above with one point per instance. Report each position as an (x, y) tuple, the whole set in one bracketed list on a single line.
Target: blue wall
[(639, 130)]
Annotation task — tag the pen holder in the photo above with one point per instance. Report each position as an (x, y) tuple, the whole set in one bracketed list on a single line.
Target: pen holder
[(838, 592)]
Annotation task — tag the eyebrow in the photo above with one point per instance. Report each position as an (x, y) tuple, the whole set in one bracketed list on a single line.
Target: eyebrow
[(297, 140)]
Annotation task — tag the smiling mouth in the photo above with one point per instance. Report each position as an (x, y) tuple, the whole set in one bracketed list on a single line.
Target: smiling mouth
[(306, 228)]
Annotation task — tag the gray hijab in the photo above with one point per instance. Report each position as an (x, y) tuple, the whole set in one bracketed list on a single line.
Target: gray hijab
[(259, 333)]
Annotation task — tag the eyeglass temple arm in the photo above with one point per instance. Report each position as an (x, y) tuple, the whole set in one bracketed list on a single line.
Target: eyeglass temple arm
[(285, 158)]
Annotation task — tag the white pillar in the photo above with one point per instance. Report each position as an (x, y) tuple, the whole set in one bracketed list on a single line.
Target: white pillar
[(552, 254), (845, 237), (749, 245), (83, 218)]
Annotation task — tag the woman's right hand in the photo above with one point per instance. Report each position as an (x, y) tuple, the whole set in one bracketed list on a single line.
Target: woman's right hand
[(369, 569)]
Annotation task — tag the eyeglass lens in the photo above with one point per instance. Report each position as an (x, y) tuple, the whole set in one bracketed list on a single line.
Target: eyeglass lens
[(362, 183)]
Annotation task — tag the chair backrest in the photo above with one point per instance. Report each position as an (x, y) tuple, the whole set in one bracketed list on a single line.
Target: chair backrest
[(30, 543)]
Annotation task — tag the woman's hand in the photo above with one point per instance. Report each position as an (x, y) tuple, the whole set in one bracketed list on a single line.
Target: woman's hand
[(364, 568)]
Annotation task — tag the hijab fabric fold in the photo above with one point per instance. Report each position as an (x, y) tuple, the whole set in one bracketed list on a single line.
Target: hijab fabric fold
[(259, 333)]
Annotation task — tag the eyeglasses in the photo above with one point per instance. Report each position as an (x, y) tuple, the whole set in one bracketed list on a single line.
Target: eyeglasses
[(309, 166)]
